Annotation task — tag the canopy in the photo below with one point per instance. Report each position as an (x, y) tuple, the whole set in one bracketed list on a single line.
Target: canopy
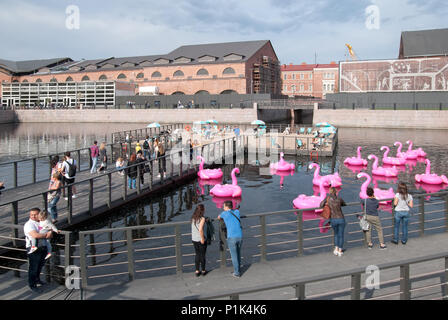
[(212, 121), (199, 122), (257, 122), (323, 124), (154, 125)]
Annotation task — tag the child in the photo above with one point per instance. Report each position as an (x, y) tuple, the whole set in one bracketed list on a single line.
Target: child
[(45, 225), (120, 165)]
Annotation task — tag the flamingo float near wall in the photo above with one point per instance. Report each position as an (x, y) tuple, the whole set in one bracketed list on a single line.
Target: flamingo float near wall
[(408, 155), (380, 194), (331, 180), (282, 165), (356, 161), (381, 171), (419, 151), (228, 190), (430, 178)]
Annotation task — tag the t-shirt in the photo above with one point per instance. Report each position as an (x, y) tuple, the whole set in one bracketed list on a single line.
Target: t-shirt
[(67, 168), (94, 151), (372, 205), (233, 226), (29, 226), (402, 204)]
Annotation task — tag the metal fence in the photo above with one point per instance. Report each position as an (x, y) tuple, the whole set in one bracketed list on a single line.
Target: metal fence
[(383, 106)]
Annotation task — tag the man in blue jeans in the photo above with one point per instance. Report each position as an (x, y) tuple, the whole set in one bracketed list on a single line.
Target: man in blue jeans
[(234, 235)]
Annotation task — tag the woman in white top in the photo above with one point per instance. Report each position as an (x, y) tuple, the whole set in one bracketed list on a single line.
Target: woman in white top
[(198, 238), (403, 202)]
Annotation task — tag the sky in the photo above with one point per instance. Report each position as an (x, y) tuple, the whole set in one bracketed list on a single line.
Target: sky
[(300, 30)]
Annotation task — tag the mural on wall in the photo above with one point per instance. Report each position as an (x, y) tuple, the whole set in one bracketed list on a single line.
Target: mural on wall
[(426, 74)]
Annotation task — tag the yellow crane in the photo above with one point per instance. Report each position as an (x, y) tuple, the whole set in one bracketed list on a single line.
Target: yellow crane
[(351, 52)]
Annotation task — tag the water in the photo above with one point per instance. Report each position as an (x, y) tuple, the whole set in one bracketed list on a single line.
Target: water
[(261, 193)]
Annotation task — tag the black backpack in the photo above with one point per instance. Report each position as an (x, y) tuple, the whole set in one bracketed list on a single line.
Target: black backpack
[(210, 236), (71, 169), (146, 144)]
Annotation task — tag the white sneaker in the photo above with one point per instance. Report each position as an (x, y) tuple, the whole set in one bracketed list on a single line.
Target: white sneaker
[(66, 198), (48, 256), (335, 252), (74, 196), (32, 250), (340, 254)]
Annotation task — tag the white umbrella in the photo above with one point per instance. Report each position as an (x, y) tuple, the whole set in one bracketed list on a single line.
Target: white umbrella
[(154, 125), (257, 122)]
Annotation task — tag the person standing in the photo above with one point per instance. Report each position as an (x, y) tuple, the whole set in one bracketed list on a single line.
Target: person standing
[(94, 152), (141, 159), (198, 232), (371, 205), (162, 158), (234, 235), (36, 259), (403, 202), (146, 148), (132, 171), (337, 220), (103, 157), (54, 196), (69, 167)]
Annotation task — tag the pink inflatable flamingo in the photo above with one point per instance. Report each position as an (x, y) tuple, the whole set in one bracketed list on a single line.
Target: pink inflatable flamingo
[(228, 190), (219, 201), (392, 160), (408, 155), (307, 202), (282, 165), (381, 171), (419, 151), (380, 194), (430, 178), (355, 169), (333, 180), (356, 161), (282, 175), (208, 173), (209, 182)]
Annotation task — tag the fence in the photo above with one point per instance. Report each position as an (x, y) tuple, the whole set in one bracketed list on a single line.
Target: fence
[(383, 106)]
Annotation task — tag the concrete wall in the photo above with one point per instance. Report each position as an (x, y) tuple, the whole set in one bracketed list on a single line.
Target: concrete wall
[(237, 116), (422, 119), (274, 115), (7, 116)]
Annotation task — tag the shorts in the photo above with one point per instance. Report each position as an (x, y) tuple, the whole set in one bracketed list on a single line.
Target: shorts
[(69, 181)]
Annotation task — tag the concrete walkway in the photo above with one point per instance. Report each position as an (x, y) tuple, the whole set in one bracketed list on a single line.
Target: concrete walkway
[(188, 286)]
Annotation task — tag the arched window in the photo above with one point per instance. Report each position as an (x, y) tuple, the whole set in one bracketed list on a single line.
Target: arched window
[(228, 71), (85, 78), (15, 81), (38, 80), (102, 77), (177, 93), (156, 74), (202, 92), (229, 92), (69, 79), (121, 76), (178, 73), (53, 80), (140, 75), (202, 72), (25, 81)]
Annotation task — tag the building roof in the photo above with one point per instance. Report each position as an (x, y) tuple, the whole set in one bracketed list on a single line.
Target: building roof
[(31, 65), (307, 67), (424, 43)]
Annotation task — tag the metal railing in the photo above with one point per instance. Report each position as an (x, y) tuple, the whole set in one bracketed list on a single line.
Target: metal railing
[(383, 106)]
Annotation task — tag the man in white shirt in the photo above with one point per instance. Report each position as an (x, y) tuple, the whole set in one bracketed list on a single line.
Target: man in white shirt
[(68, 179), (36, 260)]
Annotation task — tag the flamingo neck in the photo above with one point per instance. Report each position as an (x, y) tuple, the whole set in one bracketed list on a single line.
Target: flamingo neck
[(386, 153), (234, 181), (366, 184), (399, 147), (428, 167), (375, 162), (410, 145), (359, 152), (201, 166), (316, 171)]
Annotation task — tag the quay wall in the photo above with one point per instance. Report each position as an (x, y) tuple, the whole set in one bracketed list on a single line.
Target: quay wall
[(7, 116), (411, 119)]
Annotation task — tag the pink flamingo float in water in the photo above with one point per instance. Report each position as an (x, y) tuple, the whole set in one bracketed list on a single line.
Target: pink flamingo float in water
[(430, 178), (419, 151), (210, 182), (392, 160), (219, 201), (380, 194), (208, 173), (355, 169), (282, 165), (381, 171), (356, 161), (408, 155), (228, 190), (282, 175), (307, 202), (331, 180)]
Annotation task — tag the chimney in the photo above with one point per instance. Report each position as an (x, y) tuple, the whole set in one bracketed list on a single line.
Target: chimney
[(303, 63)]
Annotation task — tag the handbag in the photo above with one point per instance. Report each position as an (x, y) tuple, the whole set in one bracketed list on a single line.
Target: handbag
[(363, 223), (326, 212)]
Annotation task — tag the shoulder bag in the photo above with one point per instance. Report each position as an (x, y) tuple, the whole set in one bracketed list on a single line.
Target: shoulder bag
[(326, 213), (363, 221)]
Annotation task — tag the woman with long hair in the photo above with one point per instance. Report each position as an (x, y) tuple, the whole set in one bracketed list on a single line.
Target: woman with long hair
[(162, 160), (403, 202), (132, 172), (337, 219), (103, 157), (198, 238)]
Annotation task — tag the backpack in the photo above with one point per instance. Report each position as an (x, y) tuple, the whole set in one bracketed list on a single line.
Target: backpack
[(210, 236), (71, 169), (146, 144)]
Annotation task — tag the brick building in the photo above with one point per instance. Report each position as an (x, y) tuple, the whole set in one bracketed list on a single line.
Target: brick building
[(314, 80), (220, 68)]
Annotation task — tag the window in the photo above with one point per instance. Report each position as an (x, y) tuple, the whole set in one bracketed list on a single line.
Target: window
[(302, 76), (293, 88), (229, 92), (178, 73), (310, 87), (202, 92), (38, 80), (311, 76), (293, 76), (202, 72), (121, 76), (228, 71), (140, 75), (85, 78), (332, 87), (53, 80), (69, 79), (103, 77), (285, 88), (156, 74), (25, 81), (302, 87), (177, 93), (284, 77)]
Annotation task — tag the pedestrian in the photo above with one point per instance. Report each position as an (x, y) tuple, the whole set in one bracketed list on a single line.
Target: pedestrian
[(120, 165), (198, 233), (371, 205), (36, 259), (94, 152), (45, 226), (54, 195), (141, 159), (337, 220), (132, 171), (69, 167), (403, 202), (146, 148), (234, 235), (162, 158), (138, 147), (155, 148), (103, 157)]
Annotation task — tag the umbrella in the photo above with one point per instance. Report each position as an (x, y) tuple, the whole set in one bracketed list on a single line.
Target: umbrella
[(212, 121), (323, 124), (154, 125), (199, 122), (257, 122)]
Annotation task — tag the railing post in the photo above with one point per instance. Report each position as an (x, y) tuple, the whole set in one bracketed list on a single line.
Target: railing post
[(79, 160), (70, 204), (34, 170), (300, 233), (138, 179), (172, 168), (445, 286), (15, 220), (50, 168), (422, 215), (125, 184), (178, 242), (15, 174), (130, 249), (91, 196), (356, 286), (263, 238), (82, 259), (151, 174), (300, 291), (446, 213), (67, 250), (109, 189), (405, 283), (224, 245), (45, 201)]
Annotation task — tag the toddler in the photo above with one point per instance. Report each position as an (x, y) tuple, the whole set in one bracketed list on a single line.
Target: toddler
[(45, 225)]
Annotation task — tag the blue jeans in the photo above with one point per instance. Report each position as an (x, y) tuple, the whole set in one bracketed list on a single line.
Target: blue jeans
[(132, 183), (234, 245), (52, 208), (338, 226), (36, 261), (147, 154), (94, 161), (401, 216)]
